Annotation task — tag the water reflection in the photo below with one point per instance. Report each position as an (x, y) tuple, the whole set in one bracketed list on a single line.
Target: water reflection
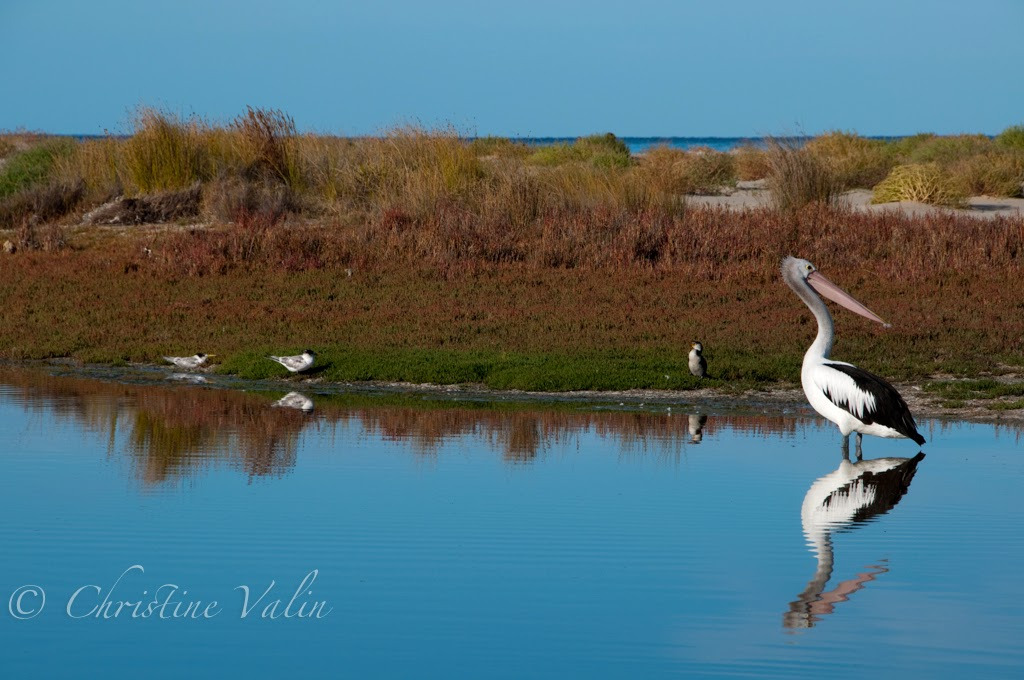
[(295, 400), (851, 495), (171, 432), (696, 426)]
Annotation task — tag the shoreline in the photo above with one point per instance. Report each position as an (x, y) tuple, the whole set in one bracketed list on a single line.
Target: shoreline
[(713, 400)]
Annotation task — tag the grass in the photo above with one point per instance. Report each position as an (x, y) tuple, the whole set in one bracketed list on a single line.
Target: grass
[(997, 395), (606, 302)]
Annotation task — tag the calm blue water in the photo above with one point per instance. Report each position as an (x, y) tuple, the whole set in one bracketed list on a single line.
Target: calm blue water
[(463, 539)]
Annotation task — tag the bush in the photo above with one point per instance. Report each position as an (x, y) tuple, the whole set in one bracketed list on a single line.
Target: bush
[(32, 166), (855, 162), (41, 203), (924, 183), (1012, 137), (751, 163), (994, 173), (502, 147), (240, 201), (601, 151), (797, 177), (945, 150), (903, 148)]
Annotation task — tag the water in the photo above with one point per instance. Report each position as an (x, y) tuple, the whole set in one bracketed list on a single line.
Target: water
[(640, 144), (458, 538)]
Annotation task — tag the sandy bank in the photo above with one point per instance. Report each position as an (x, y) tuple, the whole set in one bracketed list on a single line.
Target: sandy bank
[(750, 195)]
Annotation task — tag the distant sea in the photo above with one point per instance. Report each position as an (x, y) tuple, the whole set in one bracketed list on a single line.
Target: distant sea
[(638, 144)]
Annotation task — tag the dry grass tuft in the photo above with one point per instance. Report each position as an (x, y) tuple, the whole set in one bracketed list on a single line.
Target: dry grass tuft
[(164, 153), (797, 177), (265, 142)]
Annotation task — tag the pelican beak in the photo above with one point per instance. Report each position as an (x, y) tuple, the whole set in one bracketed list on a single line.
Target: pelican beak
[(836, 294)]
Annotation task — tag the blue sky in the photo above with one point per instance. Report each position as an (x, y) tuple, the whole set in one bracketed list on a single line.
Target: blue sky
[(643, 67)]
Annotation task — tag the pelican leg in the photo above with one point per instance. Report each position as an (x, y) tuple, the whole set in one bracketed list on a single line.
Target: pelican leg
[(860, 454), (845, 447)]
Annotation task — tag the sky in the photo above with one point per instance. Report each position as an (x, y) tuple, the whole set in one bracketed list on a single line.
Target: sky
[(525, 68)]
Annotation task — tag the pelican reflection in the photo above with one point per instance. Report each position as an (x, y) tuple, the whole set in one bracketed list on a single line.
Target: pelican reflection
[(845, 498)]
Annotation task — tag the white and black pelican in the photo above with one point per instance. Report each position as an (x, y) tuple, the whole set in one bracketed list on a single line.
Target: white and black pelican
[(852, 398), (698, 364), (190, 363), (297, 363)]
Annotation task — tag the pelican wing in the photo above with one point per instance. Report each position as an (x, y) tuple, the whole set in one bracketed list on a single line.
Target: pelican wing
[(867, 397)]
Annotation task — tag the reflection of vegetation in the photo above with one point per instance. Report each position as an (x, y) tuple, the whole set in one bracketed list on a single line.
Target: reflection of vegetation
[(172, 432)]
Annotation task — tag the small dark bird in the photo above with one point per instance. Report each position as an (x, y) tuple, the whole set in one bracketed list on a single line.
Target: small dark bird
[(698, 364)]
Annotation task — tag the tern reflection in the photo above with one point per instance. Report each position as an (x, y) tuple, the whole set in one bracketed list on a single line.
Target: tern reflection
[(853, 494), (696, 423), (297, 401)]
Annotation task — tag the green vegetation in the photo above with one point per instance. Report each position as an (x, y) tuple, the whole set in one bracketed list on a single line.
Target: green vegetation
[(549, 372), (1012, 137), (28, 168), (599, 151), (996, 395)]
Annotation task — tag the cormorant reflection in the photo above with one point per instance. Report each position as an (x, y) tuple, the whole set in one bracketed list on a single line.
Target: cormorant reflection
[(696, 423), (853, 494)]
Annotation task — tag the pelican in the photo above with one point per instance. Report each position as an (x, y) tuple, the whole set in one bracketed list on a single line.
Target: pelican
[(189, 363), (698, 364), (297, 363), (838, 502), (295, 400), (852, 398)]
